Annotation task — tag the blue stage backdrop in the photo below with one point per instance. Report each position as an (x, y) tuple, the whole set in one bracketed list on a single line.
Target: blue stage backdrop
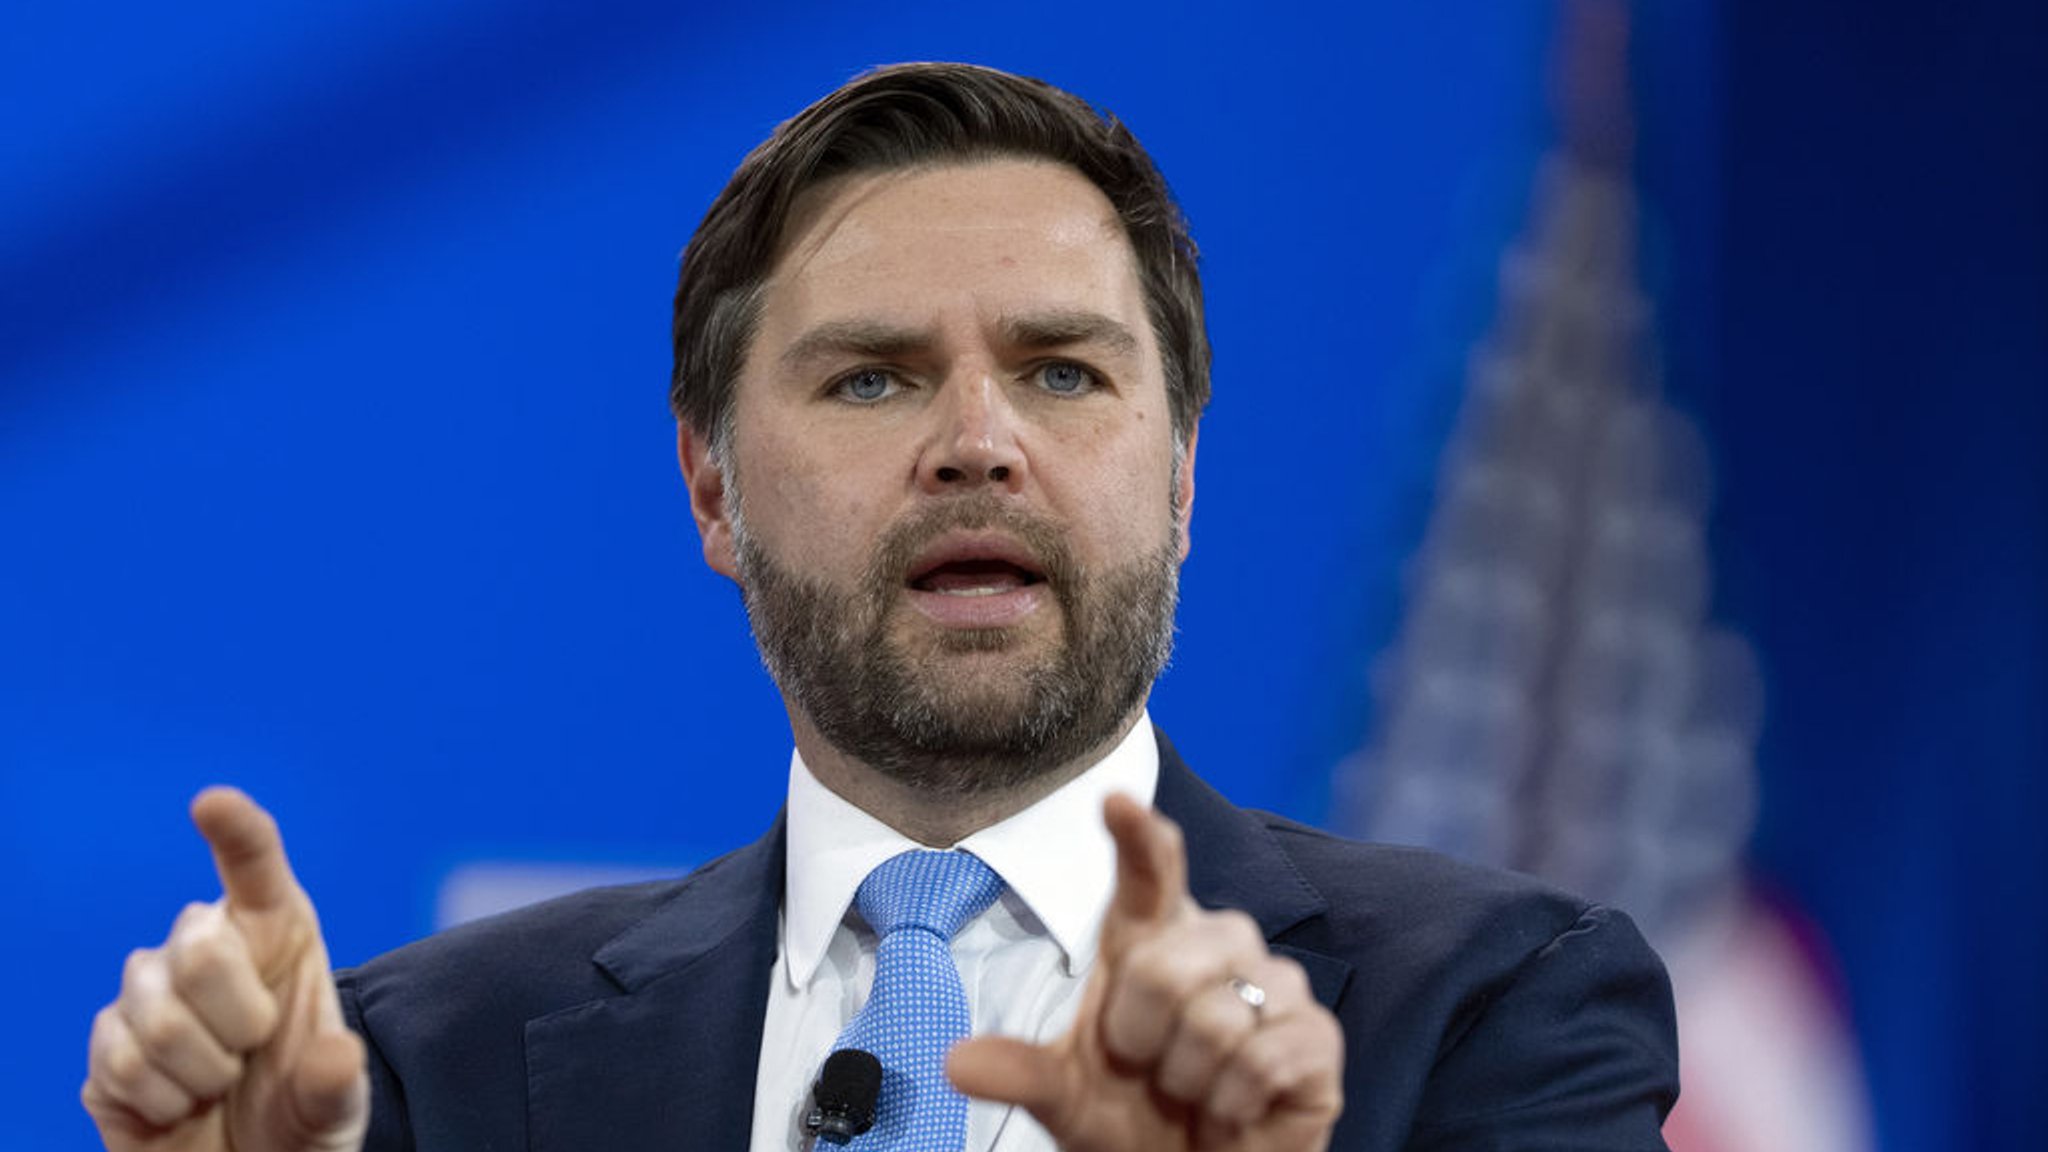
[(335, 460)]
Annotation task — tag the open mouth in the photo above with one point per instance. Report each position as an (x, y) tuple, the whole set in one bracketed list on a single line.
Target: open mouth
[(974, 567), (975, 578)]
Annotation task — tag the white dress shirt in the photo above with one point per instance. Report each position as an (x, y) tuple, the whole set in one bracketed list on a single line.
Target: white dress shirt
[(1023, 962)]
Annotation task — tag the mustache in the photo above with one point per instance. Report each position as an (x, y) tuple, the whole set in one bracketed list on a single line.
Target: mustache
[(903, 541)]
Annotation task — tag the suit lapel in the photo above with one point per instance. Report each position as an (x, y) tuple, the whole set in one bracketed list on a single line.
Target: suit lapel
[(669, 1063), (1234, 862)]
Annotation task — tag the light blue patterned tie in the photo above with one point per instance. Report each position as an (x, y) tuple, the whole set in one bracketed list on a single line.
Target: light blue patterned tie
[(917, 1009)]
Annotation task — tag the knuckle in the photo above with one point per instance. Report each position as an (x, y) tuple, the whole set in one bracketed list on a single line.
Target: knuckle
[(157, 1029), (1183, 978), (103, 1022), (1184, 1078), (1150, 968), (1332, 1036), (101, 1049), (1327, 1025), (198, 960), (190, 917), (163, 1103), (212, 1079), (1270, 1074), (1287, 975), (247, 1021), (1240, 928), (151, 1034), (230, 1074), (1233, 1100), (123, 1065), (135, 968), (1209, 1036)]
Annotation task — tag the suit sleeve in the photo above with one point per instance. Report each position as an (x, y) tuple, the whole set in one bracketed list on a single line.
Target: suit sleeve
[(390, 1131), (1575, 1050)]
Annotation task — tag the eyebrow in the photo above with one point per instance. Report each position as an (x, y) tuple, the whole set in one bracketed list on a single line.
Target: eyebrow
[(882, 340), (1061, 328), (868, 338)]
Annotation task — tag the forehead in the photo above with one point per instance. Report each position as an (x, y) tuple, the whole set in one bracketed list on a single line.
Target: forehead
[(990, 235)]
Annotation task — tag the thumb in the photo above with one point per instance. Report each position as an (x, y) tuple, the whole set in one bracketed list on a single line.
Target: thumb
[(1011, 1071), (327, 1093)]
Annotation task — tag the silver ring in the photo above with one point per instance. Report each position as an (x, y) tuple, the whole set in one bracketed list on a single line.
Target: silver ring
[(1254, 997)]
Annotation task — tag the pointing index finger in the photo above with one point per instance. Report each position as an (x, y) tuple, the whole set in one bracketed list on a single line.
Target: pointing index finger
[(247, 851), (1151, 863)]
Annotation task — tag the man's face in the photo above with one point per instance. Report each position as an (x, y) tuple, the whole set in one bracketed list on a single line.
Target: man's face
[(963, 511)]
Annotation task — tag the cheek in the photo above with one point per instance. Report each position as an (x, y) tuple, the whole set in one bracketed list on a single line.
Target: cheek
[(810, 512), (1124, 503)]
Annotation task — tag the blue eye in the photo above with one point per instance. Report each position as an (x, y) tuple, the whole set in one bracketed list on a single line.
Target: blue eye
[(868, 384), (1065, 379)]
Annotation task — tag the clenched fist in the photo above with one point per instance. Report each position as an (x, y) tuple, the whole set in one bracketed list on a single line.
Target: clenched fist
[(230, 1035)]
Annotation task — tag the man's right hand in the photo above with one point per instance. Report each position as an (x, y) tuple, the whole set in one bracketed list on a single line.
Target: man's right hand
[(230, 1035)]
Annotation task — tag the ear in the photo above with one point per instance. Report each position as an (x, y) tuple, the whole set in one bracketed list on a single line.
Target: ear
[(706, 481), (1185, 480)]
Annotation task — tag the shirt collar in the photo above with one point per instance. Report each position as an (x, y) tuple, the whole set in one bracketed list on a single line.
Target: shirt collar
[(833, 845)]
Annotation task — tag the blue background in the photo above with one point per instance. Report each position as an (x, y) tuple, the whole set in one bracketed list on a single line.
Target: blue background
[(334, 459)]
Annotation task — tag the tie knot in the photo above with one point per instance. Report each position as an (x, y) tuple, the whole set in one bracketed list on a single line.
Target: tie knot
[(936, 891)]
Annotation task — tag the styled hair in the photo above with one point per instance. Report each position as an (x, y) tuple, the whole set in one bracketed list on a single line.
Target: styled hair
[(907, 116)]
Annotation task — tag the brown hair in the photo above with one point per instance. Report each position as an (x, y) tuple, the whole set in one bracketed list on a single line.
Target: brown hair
[(903, 116)]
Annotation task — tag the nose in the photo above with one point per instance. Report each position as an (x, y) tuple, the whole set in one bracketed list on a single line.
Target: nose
[(974, 439)]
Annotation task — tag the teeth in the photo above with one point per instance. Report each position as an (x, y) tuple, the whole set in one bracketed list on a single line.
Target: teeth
[(981, 591)]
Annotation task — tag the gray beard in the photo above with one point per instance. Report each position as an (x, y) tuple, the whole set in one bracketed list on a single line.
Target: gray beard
[(831, 652)]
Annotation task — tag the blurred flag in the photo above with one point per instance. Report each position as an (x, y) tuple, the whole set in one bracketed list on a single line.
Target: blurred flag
[(1557, 700)]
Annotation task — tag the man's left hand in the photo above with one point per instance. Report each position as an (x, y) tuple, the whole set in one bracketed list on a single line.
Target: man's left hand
[(1169, 1050)]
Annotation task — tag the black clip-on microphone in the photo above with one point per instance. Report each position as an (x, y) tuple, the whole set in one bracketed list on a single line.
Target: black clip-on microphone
[(843, 1099)]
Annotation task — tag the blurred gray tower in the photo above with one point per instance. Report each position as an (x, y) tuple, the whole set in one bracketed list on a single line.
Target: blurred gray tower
[(1556, 701)]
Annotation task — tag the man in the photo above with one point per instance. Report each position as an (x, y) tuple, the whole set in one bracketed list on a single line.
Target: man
[(939, 363)]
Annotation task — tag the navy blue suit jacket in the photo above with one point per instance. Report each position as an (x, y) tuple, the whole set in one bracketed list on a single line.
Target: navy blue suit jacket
[(1480, 1010)]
